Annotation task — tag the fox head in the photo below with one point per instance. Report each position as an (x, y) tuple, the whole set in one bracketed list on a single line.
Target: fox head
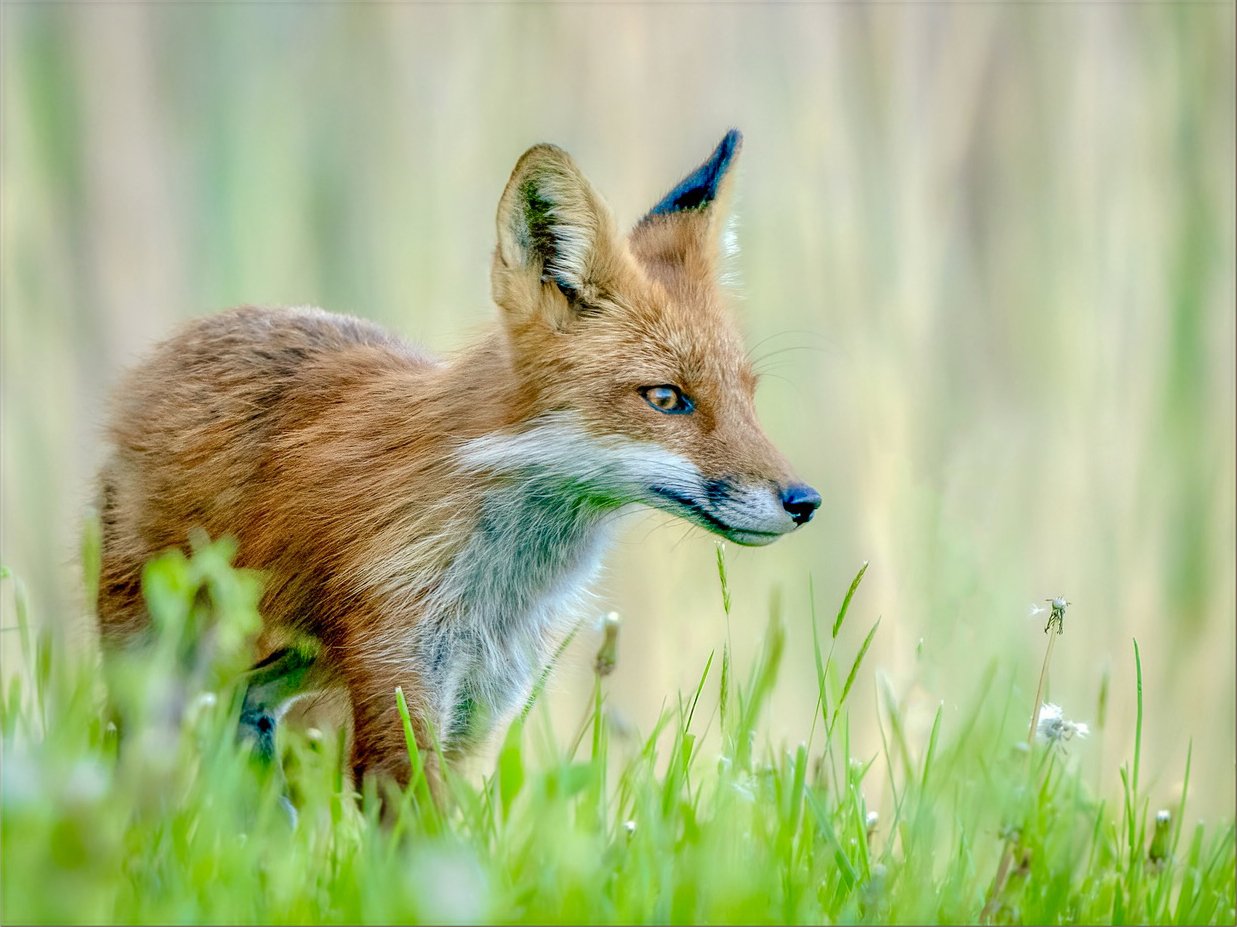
[(631, 374)]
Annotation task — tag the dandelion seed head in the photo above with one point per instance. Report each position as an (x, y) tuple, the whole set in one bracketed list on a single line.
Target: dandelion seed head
[(1055, 729)]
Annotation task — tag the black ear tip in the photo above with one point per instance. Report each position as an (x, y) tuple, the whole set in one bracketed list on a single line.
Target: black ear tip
[(725, 151), (699, 188)]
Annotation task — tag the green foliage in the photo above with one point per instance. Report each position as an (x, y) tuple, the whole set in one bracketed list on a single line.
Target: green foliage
[(171, 822)]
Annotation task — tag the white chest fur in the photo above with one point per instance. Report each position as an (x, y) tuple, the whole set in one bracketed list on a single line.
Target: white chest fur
[(507, 601)]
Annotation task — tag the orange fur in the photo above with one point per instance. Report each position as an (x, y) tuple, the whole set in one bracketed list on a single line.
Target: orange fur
[(430, 522)]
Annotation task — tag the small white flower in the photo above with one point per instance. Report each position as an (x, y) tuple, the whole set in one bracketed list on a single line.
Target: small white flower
[(1055, 729), (629, 827), (608, 620)]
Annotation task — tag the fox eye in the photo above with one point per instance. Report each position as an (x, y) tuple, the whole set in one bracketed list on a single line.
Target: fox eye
[(667, 398)]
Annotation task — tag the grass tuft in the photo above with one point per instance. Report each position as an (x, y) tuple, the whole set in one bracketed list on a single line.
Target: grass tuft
[(173, 822)]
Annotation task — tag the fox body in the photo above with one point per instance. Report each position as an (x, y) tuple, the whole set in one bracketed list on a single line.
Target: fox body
[(433, 524)]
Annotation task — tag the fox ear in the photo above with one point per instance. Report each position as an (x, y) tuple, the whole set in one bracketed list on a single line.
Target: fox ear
[(706, 184), (691, 219), (553, 228)]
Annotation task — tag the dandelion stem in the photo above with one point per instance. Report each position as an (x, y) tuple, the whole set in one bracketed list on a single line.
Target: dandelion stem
[(1054, 628), (1039, 694)]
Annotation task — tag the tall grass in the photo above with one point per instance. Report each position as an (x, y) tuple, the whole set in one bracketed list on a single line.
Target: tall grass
[(171, 821)]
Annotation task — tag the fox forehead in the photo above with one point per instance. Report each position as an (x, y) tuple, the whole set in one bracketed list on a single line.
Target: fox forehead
[(689, 341)]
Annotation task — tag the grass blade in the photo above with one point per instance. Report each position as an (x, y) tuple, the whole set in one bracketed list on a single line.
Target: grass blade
[(854, 670), (850, 594)]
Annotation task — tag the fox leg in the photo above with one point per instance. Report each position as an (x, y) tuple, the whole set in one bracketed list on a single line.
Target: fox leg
[(379, 746), (273, 683)]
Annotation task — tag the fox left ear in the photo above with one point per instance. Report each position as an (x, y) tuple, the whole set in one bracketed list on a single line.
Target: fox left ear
[(690, 220), (554, 231)]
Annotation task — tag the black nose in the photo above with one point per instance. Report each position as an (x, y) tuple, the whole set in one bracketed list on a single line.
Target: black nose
[(801, 501)]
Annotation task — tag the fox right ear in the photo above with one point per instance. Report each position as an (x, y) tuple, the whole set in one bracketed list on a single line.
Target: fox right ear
[(690, 222), (553, 228), (708, 183)]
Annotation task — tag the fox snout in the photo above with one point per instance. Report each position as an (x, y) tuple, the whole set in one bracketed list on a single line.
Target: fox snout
[(748, 513)]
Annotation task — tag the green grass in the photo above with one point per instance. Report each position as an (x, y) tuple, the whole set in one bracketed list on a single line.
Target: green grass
[(175, 823)]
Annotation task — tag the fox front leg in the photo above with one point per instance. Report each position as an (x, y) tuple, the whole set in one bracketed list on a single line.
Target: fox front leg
[(273, 683), (380, 747)]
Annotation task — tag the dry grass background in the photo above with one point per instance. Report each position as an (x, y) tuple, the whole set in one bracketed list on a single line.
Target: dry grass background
[(988, 264)]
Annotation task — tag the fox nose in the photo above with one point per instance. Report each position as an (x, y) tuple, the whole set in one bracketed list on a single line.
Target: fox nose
[(801, 501)]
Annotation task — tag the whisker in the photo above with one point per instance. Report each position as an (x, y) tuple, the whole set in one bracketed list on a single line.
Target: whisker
[(797, 387), (786, 350), (786, 333)]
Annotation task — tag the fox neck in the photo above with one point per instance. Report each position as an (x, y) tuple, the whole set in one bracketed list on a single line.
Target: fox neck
[(531, 541), (509, 598)]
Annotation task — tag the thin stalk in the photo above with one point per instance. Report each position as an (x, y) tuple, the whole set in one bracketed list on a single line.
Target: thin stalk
[(1054, 628), (1039, 695)]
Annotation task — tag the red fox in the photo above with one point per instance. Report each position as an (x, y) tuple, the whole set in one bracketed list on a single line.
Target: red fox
[(431, 524)]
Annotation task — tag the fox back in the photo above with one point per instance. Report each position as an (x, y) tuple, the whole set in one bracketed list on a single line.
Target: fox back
[(433, 524)]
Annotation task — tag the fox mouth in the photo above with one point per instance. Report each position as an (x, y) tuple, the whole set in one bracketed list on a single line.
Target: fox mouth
[(702, 516)]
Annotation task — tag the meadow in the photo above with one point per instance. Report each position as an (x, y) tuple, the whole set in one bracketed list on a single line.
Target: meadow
[(173, 821), (987, 273)]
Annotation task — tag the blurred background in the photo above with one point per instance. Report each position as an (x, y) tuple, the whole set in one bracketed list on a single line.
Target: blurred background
[(987, 267)]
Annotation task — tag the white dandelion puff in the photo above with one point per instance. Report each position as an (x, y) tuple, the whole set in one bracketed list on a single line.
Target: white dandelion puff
[(1055, 729)]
